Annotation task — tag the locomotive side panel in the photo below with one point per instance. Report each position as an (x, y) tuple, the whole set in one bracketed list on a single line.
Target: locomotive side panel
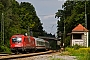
[(32, 42), (29, 42), (26, 42)]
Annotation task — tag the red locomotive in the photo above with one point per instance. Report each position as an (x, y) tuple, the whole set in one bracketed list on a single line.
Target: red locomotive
[(22, 43)]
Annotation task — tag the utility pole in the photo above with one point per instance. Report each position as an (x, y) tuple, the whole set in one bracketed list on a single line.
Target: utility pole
[(85, 41), (64, 34), (85, 16), (31, 33), (2, 29), (28, 31)]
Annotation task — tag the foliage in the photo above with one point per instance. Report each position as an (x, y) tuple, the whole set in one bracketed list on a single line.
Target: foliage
[(18, 18), (65, 53), (76, 46), (67, 41), (72, 14), (81, 53), (4, 49)]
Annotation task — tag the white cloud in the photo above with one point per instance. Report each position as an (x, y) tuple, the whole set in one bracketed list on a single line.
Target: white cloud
[(49, 16)]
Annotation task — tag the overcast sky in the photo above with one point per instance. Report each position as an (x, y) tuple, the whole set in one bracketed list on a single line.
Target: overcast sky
[(46, 10)]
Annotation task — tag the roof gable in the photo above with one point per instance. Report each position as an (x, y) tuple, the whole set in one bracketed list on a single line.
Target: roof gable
[(79, 28)]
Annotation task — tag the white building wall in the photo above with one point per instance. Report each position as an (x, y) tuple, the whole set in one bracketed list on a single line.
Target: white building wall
[(77, 41), (82, 40), (87, 38)]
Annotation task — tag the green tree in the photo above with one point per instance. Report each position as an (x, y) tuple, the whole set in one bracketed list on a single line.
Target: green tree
[(73, 13), (30, 19), (17, 18)]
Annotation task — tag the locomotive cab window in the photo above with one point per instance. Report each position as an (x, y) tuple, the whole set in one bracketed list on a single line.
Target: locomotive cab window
[(16, 39)]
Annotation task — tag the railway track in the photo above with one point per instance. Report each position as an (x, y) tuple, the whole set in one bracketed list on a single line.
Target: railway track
[(8, 57)]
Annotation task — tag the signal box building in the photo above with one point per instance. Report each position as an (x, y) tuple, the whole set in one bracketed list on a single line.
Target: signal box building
[(80, 36)]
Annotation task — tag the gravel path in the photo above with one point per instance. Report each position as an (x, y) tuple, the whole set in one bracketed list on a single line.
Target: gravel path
[(65, 57), (49, 57)]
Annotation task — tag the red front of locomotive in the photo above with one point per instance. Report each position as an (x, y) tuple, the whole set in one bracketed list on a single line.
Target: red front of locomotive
[(16, 42), (20, 43)]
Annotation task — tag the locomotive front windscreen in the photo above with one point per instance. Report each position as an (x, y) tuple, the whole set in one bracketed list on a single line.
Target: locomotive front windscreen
[(16, 39)]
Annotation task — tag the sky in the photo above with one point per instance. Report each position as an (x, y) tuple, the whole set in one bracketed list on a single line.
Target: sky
[(46, 10)]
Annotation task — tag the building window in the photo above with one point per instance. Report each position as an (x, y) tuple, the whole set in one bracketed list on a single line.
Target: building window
[(77, 36)]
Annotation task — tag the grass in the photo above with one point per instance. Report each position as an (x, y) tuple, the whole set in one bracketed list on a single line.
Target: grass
[(81, 53), (65, 53)]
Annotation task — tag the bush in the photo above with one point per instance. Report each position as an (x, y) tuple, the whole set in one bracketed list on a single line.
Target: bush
[(67, 41), (4, 49), (81, 53), (77, 46)]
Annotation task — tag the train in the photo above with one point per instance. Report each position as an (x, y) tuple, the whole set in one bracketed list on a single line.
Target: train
[(20, 43)]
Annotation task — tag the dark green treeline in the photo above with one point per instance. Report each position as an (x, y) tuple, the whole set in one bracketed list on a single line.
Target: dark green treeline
[(18, 18)]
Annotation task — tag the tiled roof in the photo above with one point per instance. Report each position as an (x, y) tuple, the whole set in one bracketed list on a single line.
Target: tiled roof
[(79, 28)]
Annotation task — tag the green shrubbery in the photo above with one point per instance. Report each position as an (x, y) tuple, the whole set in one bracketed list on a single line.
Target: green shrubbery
[(77, 46), (4, 49), (80, 52)]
